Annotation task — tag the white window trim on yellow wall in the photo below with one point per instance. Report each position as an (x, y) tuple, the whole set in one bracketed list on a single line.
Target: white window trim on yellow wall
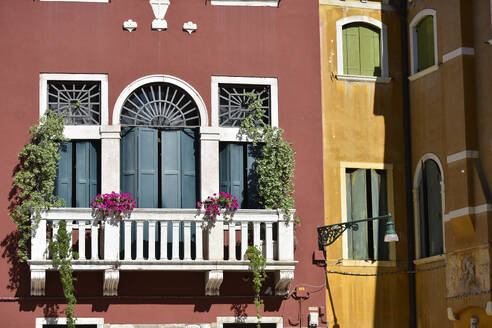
[(99, 322), (391, 209), (76, 131), (384, 78), (415, 74), (416, 213)]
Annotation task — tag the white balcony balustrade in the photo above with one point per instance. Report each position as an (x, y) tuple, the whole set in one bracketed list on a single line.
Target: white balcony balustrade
[(167, 239)]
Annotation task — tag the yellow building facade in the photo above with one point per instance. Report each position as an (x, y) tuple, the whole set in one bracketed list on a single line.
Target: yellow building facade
[(439, 109)]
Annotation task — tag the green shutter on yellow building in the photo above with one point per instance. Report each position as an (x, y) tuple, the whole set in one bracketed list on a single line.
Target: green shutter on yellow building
[(361, 50), (425, 43)]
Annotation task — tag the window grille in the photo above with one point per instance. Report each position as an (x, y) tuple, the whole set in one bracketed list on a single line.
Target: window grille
[(235, 101), (160, 105), (78, 101)]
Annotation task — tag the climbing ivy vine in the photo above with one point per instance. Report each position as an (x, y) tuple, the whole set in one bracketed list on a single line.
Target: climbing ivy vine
[(61, 249), (34, 184), (257, 263), (275, 166)]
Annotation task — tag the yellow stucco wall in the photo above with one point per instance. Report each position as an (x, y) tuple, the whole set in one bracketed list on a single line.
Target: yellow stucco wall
[(362, 125)]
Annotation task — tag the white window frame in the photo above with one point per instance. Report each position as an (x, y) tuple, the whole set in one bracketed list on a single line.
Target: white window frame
[(278, 321), (383, 34), (388, 168), (63, 321), (416, 204), (231, 133), (415, 74), (76, 131), (247, 3)]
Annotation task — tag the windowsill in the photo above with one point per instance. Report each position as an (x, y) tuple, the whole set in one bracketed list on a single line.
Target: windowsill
[(361, 78), (248, 3), (425, 72), (82, 131), (431, 259), (361, 263)]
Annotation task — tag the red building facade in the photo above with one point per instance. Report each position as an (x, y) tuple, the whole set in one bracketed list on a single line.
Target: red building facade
[(208, 55)]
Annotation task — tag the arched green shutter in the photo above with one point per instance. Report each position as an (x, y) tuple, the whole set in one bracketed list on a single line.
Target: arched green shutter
[(63, 182), (425, 43), (370, 58), (351, 51), (434, 207)]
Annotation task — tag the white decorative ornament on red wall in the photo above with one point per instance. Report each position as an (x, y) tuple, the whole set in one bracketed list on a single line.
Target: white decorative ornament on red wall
[(189, 27), (159, 7), (130, 25)]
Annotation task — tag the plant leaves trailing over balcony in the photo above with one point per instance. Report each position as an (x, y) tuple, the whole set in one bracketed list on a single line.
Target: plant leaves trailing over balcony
[(34, 183), (257, 263), (276, 164)]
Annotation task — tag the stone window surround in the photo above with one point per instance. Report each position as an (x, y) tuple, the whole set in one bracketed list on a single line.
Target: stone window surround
[(416, 181), (391, 209), (231, 133), (110, 134), (384, 78), (76, 131), (63, 321), (414, 73)]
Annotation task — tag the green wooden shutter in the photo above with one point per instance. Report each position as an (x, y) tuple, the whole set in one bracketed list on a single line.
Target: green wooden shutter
[(370, 59), (356, 192), (434, 207), (86, 182), (423, 220), (425, 43), (94, 174), (129, 162), (351, 51), (379, 208), (147, 168), (188, 168), (231, 171), (170, 169), (63, 182), (251, 176)]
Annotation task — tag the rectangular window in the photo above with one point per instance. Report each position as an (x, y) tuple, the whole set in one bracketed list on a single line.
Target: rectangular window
[(78, 101), (235, 100), (237, 173), (78, 175), (366, 197)]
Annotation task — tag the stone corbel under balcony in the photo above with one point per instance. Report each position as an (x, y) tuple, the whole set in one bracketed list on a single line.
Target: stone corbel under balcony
[(111, 281), (38, 282), (283, 279), (213, 281)]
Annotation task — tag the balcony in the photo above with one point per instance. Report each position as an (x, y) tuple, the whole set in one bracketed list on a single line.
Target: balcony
[(167, 240)]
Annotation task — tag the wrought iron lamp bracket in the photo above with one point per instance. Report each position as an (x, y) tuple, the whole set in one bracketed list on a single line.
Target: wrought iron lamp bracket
[(328, 234)]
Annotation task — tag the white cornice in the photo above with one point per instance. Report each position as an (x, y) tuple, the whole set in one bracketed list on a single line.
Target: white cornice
[(458, 52), (358, 4)]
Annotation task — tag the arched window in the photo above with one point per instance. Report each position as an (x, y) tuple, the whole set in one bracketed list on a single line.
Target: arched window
[(423, 41), (159, 146), (430, 209), (361, 50), (362, 47)]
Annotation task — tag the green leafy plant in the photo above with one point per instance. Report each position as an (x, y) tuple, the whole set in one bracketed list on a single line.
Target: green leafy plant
[(61, 249), (275, 166), (35, 178), (257, 263), (34, 183)]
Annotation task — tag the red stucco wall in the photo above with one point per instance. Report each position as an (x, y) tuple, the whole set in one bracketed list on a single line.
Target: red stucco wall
[(52, 37)]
